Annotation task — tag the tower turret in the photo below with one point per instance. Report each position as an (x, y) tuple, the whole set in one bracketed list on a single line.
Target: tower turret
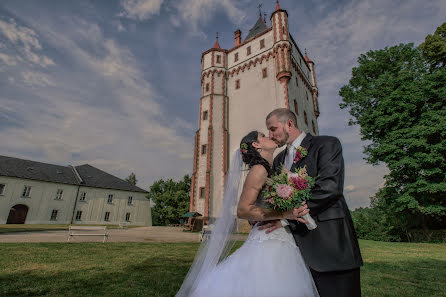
[(314, 85)]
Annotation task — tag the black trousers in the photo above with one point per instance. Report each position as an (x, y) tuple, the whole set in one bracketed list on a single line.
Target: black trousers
[(338, 283)]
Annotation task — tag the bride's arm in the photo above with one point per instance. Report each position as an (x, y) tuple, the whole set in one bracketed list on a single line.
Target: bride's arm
[(247, 209)]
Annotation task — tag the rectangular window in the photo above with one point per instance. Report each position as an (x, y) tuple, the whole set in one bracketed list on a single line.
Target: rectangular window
[(305, 118), (107, 216), (237, 84), (204, 149), (262, 43), (296, 107), (306, 94), (59, 194), (83, 196), (127, 217), (314, 127), (248, 50), (264, 73), (205, 115), (54, 215), (110, 199), (2, 188), (297, 82), (207, 87), (26, 191), (235, 57), (202, 192), (78, 215), (218, 59), (130, 200)]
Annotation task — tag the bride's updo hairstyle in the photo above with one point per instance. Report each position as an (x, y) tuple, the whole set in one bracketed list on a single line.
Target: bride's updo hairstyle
[(250, 155)]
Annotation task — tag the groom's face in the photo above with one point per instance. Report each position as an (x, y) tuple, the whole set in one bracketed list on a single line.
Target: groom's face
[(277, 131)]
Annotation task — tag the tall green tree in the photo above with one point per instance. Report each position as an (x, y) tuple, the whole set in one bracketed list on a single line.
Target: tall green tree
[(401, 109), (131, 179), (434, 47), (170, 200)]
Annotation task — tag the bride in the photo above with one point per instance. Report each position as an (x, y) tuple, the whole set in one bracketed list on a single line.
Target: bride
[(267, 264)]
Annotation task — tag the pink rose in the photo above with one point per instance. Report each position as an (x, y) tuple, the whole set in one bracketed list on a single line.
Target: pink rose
[(284, 191)]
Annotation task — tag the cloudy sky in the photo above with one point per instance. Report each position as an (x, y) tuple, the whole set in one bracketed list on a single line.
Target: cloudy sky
[(116, 84)]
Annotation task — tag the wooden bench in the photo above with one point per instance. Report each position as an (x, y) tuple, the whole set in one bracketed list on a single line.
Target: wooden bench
[(87, 231)]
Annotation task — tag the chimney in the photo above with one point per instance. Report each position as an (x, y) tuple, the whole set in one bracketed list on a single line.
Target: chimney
[(238, 37)]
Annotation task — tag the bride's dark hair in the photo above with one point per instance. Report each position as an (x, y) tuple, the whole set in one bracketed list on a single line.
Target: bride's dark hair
[(250, 155)]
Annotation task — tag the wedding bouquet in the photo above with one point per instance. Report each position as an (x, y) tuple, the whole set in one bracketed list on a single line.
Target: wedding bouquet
[(288, 190)]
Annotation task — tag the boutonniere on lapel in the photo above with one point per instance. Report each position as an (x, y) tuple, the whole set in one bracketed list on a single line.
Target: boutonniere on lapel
[(301, 153)]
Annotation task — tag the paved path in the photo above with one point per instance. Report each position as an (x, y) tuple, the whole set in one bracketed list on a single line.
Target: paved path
[(141, 234)]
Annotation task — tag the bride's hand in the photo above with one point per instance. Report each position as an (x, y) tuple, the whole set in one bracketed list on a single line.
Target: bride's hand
[(297, 213)]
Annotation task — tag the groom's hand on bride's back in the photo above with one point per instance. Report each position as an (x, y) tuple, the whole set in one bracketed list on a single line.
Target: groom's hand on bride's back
[(269, 225)]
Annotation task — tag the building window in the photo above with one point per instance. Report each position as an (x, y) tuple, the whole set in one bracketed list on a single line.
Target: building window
[(202, 192), (264, 72), (248, 50), (59, 194), (262, 43), (297, 82), (2, 188), (235, 57), (296, 107), (110, 199), (305, 118), (26, 191), (130, 200), (283, 29), (237, 84), (205, 115), (314, 127), (306, 94), (78, 215), (83, 196), (107, 216), (207, 87), (127, 217), (218, 59), (54, 215), (204, 149)]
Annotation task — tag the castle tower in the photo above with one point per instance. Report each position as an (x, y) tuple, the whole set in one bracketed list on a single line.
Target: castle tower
[(240, 86)]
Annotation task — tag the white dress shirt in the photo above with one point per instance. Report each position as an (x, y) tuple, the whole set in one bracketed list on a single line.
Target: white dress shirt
[(289, 160)]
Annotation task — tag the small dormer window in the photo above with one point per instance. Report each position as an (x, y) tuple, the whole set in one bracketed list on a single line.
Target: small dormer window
[(248, 50), (218, 59)]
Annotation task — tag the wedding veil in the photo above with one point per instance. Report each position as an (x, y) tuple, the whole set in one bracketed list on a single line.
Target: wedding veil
[(222, 237)]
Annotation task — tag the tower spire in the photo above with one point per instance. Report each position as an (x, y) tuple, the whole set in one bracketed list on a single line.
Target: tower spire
[(277, 6), (216, 44), (260, 12)]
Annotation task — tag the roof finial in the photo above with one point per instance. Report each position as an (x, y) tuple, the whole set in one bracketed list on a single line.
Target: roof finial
[(260, 12), (216, 44), (277, 6)]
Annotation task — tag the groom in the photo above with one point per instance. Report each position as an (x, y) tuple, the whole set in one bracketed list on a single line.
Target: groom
[(331, 250)]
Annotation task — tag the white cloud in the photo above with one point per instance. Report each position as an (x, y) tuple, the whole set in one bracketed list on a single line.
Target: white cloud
[(32, 78), (349, 188), (140, 9), (199, 12), (25, 39), (8, 60)]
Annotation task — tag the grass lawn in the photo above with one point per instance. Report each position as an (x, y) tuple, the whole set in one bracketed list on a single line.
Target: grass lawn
[(157, 269)]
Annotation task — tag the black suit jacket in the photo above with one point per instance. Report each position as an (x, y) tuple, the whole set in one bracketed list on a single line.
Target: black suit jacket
[(333, 245)]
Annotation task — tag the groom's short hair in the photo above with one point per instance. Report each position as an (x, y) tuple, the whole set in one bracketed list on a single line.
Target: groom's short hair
[(283, 115)]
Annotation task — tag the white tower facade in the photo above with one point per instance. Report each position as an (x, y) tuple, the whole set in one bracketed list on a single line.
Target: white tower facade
[(240, 86)]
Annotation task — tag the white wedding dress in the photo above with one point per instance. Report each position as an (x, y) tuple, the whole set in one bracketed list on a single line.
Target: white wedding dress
[(266, 265)]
